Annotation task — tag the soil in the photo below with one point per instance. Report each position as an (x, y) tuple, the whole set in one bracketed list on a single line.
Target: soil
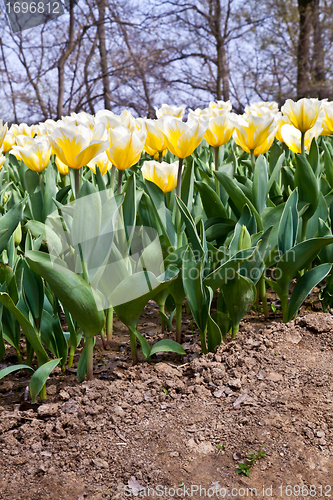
[(176, 424)]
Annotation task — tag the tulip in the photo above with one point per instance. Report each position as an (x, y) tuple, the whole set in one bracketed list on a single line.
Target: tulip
[(3, 132), (182, 138), (125, 149), (8, 142), (281, 120), (163, 174), (177, 112), (62, 168), (292, 137), (326, 119), (219, 131), (255, 133), (302, 114), (102, 162), (36, 157), (76, 149), (22, 129), (219, 107), (262, 108), (156, 140), (111, 120)]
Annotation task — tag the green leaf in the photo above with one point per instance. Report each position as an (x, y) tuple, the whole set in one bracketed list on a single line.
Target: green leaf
[(146, 351), (9, 222), (191, 229), (307, 184), (33, 292), (275, 172), (287, 233), (304, 286), (188, 183), (227, 270), (260, 183), (11, 369), (50, 191), (237, 196), (212, 204), (76, 294), (129, 312), (167, 345), (328, 165), (29, 331), (40, 377), (239, 293), (296, 259), (214, 336)]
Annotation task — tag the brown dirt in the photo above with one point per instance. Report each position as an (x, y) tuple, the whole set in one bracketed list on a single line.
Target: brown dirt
[(158, 424)]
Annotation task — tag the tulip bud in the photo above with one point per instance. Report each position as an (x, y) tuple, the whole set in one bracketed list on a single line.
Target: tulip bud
[(244, 239), (18, 235)]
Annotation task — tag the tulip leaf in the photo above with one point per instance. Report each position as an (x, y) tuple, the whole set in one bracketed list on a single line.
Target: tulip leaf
[(50, 191), (239, 293), (326, 253), (214, 336), (129, 312), (190, 227), (9, 222), (296, 259), (223, 321), (40, 377), (212, 203), (307, 184), (227, 270), (29, 331), (167, 345), (237, 196), (304, 286), (275, 172), (83, 363), (287, 233), (260, 183), (146, 351), (10, 369), (75, 293), (328, 165), (187, 186)]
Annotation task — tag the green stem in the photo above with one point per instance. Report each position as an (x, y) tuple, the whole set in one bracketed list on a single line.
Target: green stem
[(179, 310), (178, 214), (160, 156), (133, 349), (162, 312), (304, 226), (120, 181), (113, 174), (42, 394), (77, 179), (253, 161), (41, 183), (234, 330), (84, 268), (71, 356), (217, 161), (302, 143), (109, 324), (262, 291), (19, 356), (90, 357)]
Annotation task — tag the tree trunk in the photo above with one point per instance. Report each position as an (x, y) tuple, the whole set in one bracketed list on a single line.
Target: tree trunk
[(103, 53), (319, 85), (62, 61), (303, 52)]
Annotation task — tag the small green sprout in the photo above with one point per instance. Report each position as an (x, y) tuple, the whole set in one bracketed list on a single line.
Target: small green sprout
[(245, 467)]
